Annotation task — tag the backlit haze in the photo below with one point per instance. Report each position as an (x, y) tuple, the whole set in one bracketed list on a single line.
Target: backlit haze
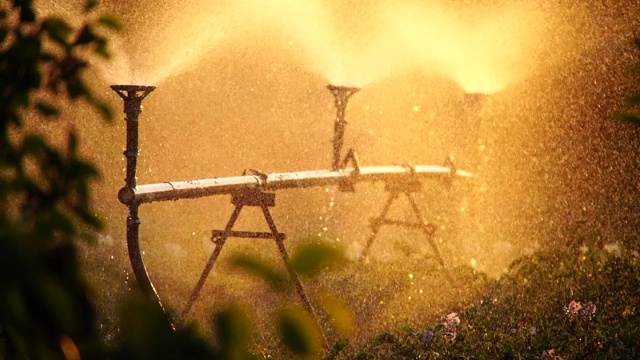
[(481, 47), (242, 84)]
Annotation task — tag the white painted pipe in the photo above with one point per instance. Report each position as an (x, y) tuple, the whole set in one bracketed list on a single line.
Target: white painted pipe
[(171, 191)]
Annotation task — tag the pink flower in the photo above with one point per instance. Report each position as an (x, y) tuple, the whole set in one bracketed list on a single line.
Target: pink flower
[(572, 309), (450, 322), (589, 311)]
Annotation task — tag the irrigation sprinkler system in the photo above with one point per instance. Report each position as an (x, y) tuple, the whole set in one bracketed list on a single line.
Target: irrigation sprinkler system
[(258, 190)]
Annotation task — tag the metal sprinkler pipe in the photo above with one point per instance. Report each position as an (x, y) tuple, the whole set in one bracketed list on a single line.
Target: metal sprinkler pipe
[(192, 189), (132, 95), (342, 95)]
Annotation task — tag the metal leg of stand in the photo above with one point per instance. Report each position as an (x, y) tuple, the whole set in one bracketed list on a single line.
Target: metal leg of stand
[(294, 277), (376, 224), (212, 260), (429, 230), (426, 228)]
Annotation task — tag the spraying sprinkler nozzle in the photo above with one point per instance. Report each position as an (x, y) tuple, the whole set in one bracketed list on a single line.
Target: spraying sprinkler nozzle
[(473, 100), (471, 121), (342, 95), (132, 96), (133, 87)]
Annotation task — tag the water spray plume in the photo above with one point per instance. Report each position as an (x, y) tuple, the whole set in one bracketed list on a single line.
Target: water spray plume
[(483, 51)]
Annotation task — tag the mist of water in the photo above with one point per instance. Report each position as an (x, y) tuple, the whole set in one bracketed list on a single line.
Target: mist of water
[(478, 46), (242, 84), (483, 48)]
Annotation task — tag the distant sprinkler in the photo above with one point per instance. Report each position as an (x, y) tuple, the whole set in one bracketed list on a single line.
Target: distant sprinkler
[(472, 114), (342, 95), (473, 101)]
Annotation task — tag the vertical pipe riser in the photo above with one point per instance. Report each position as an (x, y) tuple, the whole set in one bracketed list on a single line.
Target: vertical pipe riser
[(135, 255), (341, 94), (339, 126), (132, 109), (132, 95)]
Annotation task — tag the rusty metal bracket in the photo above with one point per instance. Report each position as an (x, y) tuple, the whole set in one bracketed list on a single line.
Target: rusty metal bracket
[(253, 197), (351, 157), (449, 162), (263, 176), (347, 185)]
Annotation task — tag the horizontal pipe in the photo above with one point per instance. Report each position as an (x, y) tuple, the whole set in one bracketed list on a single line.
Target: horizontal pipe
[(290, 180)]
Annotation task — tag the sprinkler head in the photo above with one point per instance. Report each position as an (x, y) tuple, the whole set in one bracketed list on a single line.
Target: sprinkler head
[(132, 95), (132, 92), (471, 99), (133, 88), (342, 93)]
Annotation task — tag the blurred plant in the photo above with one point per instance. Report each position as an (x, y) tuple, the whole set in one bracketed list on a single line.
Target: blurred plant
[(297, 328), (525, 313), (147, 333), (633, 101), (45, 307)]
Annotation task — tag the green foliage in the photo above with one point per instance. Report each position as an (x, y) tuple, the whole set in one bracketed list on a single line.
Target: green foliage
[(575, 302), (45, 304), (312, 258), (297, 328), (299, 333), (341, 316), (147, 333), (233, 330), (260, 269), (633, 102)]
